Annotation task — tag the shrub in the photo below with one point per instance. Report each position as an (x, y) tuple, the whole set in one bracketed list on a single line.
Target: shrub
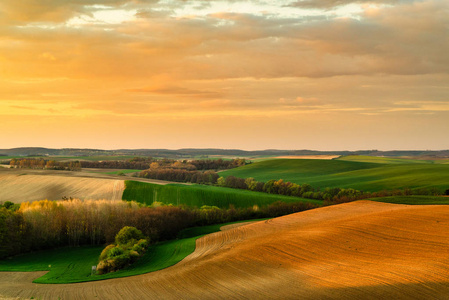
[(105, 253), (140, 246), (129, 246), (115, 252), (103, 267), (120, 262), (128, 235)]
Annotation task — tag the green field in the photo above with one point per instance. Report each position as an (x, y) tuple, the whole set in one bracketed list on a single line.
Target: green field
[(199, 195), (414, 200), (369, 174), (70, 265)]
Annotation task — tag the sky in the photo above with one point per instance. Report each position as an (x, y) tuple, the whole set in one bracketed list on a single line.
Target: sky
[(238, 74)]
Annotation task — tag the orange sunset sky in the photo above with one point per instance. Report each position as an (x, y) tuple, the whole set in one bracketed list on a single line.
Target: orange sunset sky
[(255, 74)]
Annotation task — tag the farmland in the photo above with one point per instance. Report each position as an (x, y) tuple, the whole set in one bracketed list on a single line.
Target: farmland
[(199, 195), (347, 251), (28, 185), (20, 185), (336, 251), (70, 265), (368, 174), (414, 200)]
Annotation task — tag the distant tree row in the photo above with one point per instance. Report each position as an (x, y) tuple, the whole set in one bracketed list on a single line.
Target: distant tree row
[(330, 195), (40, 163), (48, 224), (218, 164), (118, 164), (139, 163), (181, 175)]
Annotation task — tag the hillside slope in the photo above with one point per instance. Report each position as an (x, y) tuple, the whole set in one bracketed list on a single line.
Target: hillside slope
[(378, 174), (359, 250)]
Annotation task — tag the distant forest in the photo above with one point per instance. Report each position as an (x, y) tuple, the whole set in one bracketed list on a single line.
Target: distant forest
[(190, 153), (143, 163), (196, 171)]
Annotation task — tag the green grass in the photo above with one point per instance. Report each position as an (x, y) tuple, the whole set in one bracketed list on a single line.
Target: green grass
[(6, 157), (386, 160), (373, 175), (199, 195), (70, 265), (414, 200)]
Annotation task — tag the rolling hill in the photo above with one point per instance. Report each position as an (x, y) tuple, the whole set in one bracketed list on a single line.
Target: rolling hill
[(199, 195), (373, 174), (358, 250)]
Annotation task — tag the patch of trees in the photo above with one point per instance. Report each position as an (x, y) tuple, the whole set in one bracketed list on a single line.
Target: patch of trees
[(330, 195), (143, 163), (130, 244), (136, 163), (218, 164), (195, 171), (40, 163), (49, 224), (9, 205), (180, 175)]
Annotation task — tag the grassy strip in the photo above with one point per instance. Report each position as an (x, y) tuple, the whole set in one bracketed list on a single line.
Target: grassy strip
[(199, 195), (414, 200), (70, 265), (378, 174), (387, 160)]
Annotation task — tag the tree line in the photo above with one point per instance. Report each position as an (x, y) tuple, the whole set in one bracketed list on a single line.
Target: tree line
[(330, 195), (144, 163), (40, 163), (180, 175), (195, 171), (48, 224)]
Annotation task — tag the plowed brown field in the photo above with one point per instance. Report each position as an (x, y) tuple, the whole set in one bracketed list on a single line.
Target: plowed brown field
[(359, 250), (17, 187)]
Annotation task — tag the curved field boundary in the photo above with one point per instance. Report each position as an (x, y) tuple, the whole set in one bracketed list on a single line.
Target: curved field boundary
[(72, 265), (199, 195), (21, 188), (20, 185), (370, 175), (358, 250)]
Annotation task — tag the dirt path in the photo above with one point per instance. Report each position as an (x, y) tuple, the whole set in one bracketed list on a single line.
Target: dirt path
[(359, 250)]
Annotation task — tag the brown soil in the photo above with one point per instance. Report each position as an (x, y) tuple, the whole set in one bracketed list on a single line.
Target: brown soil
[(19, 185), (359, 250)]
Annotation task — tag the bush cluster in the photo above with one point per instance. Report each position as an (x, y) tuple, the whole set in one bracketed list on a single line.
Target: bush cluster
[(130, 244)]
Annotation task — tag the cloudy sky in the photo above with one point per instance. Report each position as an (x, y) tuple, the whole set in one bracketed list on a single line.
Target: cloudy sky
[(255, 74)]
